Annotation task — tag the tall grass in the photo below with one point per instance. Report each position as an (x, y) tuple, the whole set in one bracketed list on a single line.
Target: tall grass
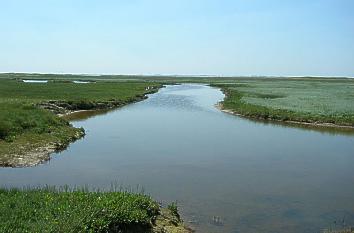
[(16, 118), (52, 210)]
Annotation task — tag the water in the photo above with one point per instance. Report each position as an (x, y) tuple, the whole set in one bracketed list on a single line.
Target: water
[(34, 81), (228, 174), (46, 81), (81, 82)]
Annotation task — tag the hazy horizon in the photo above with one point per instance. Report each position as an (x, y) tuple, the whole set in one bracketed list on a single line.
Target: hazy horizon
[(185, 38), (181, 75)]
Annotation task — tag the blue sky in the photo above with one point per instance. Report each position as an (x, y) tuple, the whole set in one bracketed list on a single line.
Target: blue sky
[(211, 37)]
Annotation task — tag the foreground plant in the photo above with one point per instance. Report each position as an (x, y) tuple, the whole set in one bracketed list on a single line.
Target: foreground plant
[(48, 210)]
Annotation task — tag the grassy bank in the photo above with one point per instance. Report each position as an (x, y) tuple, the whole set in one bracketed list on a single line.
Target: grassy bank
[(18, 118), (315, 101), (29, 129), (50, 210)]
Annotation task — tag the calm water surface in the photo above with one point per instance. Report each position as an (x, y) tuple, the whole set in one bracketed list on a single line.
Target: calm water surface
[(252, 176)]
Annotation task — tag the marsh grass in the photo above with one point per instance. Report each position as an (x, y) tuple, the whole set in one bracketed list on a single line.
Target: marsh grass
[(65, 209), (305, 100), (17, 91), (173, 208), (17, 118)]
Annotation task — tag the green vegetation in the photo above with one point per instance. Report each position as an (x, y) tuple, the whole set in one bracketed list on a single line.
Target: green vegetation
[(50, 210), (16, 118), (302, 100), (17, 91), (173, 211), (29, 132), (173, 208)]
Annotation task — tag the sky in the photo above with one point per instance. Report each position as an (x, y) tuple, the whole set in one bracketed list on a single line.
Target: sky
[(178, 37)]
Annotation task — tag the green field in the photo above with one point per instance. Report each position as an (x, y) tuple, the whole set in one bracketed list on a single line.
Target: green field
[(17, 91), (52, 210), (303, 99)]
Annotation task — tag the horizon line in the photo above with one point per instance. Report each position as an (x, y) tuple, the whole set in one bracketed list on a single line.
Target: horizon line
[(181, 75)]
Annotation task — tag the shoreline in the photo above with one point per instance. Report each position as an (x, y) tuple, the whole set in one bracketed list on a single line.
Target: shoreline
[(73, 112), (42, 153), (220, 106)]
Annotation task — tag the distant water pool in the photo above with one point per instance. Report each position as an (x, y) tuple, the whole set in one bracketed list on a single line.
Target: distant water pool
[(81, 82), (227, 174), (34, 81)]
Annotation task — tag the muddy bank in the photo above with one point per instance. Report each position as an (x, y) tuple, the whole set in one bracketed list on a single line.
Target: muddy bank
[(62, 108), (66, 107), (166, 222), (27, 155)]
